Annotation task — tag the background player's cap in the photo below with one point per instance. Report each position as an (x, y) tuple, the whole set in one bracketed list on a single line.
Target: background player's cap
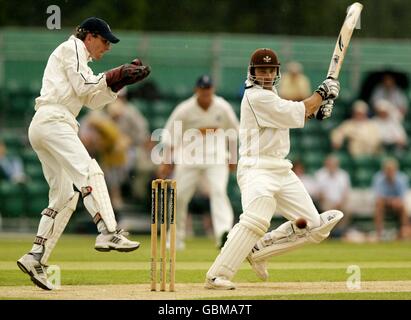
[(99, 26), (204, 82)]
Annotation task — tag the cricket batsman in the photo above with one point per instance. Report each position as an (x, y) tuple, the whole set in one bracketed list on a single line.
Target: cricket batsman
[(266, 181), (68, 85)]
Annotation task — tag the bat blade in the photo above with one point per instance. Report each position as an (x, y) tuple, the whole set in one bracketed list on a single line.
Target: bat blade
[(343, 41)]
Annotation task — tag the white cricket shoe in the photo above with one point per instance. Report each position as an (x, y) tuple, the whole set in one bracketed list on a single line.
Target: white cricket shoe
[(37, 271), (260, 268), (115, 241), (219, 283)]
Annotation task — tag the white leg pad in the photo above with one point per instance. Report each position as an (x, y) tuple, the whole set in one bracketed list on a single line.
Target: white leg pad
[(98, 201), (239, 243), (59, 221), (288, 237)]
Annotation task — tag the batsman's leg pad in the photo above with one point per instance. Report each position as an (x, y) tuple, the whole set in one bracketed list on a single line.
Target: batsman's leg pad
[(239, 242), (96, 198), (53, 228), (329, 220), (288, 237)]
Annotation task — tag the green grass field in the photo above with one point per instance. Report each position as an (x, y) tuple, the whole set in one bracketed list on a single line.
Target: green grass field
[(312, 272)]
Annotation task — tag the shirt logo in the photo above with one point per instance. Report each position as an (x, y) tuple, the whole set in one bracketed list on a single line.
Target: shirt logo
[(267, 59)]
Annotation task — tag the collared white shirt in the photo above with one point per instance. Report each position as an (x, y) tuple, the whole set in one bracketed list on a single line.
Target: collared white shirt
[(264, 125), (69, 83), (333, 186), (201, 144)]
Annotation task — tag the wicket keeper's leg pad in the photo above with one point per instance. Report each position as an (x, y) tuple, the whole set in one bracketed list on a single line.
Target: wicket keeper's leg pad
[(96, 197)]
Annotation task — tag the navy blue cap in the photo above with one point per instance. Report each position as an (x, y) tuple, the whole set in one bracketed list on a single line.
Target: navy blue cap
[(204, 82), (99, 26)]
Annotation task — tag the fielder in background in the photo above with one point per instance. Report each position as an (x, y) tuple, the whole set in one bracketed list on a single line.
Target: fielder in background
[(68, 84), (198, 131), (267, 183)]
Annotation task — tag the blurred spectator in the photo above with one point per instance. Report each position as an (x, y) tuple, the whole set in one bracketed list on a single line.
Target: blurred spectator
[(105, 141), (390, 187), (390, 91), (362, 133), (392, 133), (135, 129), (334, 186), (294, 84), (11, 168), (308, 181)]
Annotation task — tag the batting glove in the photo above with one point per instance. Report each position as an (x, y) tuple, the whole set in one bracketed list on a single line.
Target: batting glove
[(325, 110), (329, 89)]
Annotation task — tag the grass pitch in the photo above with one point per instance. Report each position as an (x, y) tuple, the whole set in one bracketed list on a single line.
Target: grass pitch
[(312, 272)]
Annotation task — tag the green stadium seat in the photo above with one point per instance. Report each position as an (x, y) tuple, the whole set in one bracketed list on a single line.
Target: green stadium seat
[(313, 160), (162, 107), (34, 171), (369, 163), (158, 122), (345, 160), (143, 106), (12, 139), (234, 193), (29, 157), (363, 177), (36, 197), (405, 161), (11, 199), (310, 142)]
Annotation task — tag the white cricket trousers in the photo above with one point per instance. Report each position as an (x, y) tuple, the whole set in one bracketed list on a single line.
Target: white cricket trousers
[(292, 200), (187, 178), (64, 159)]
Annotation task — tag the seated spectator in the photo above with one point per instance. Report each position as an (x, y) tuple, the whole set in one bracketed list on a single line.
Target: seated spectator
[(11, 168), (390, 91), (294, 84), (334, 186), (390, 187), (135, 128), (308, 181), (362, 133), (101, 135), (392, 133)]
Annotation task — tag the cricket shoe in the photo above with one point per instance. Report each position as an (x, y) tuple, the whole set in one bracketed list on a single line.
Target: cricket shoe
[(37, 271), (115, 241), (219, 283), (259, 267)]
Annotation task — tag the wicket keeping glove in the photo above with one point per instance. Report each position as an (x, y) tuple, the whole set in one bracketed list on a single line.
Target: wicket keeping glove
[(126, 74)]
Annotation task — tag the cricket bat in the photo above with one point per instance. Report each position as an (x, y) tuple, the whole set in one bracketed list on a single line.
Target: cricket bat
[(350, 23)]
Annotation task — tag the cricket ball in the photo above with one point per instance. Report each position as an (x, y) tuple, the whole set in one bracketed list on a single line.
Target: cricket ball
[(301, 223)]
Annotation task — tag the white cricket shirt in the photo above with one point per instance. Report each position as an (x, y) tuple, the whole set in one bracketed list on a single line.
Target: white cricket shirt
[(200, 136), (264, 127), (69, 83)]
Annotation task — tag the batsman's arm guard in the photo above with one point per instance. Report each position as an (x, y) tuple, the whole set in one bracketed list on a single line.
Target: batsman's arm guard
[(60, 220), (288, 237), (96, 198)]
